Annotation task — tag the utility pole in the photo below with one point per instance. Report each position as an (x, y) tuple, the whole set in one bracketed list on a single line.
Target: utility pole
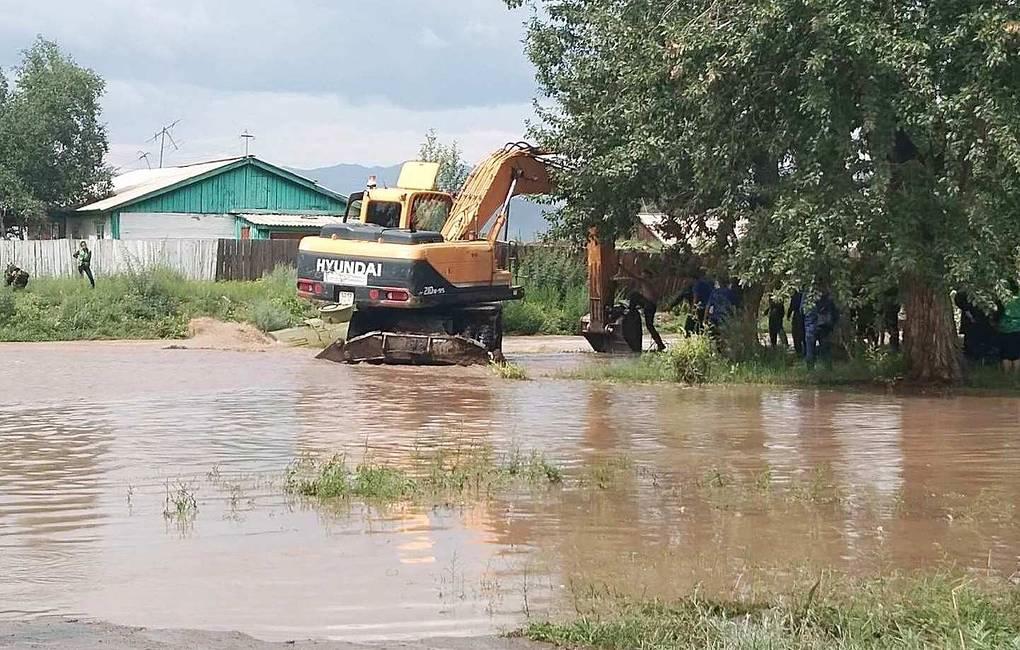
[(247, 137), (163, 135)]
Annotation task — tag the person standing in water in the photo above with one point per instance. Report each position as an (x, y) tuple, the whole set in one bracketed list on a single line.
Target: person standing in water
[(84, 257)]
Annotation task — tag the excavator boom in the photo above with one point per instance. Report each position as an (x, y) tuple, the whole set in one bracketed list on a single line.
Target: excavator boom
[(515, 169)]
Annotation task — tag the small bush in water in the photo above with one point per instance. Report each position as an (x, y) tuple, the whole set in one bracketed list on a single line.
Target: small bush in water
[(508, 370), (690, 359)]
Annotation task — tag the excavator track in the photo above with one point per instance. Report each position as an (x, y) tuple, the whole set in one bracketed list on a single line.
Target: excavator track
[(462, 337)]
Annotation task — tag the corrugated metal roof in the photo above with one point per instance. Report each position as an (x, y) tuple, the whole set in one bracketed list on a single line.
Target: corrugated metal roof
[(653, 222), (290, 220), (135, 184)]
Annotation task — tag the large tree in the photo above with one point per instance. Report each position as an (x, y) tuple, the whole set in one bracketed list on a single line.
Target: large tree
[(52, 143), (453, 171), (799, 135)]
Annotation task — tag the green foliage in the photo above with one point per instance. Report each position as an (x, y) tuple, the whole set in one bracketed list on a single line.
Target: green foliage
[(180, 503), (691, 359), (902, 613), (508, 370), (695, 357), (143, 305), (440, 474), (52, 138), (8, 306), (269, 316), (453, 171), (555, 292), (790, 139)]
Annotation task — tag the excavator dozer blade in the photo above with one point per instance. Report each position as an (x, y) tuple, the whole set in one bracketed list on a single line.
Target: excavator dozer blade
[(408, 349)]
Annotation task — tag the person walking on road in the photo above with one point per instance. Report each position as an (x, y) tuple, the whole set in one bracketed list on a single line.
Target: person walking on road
[(84, 257)]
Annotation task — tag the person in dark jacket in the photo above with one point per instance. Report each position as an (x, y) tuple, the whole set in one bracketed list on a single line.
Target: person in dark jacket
[(978, 330), (820, 320), (797, 322), (777, 314), (645, 298), (84, 257), (891, 318)]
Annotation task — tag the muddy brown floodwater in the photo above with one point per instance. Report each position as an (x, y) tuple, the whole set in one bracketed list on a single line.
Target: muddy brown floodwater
[(727, 488)]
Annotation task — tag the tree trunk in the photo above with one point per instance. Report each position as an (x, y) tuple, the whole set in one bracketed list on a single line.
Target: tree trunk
[(930, 345)]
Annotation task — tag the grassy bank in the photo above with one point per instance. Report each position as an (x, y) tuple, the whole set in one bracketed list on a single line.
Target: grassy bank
[(555, 283), (143, 305), (892, 613), (694, 361)]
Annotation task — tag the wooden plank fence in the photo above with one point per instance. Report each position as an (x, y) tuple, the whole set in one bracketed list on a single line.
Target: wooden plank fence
[(193, 258), (250, 259)]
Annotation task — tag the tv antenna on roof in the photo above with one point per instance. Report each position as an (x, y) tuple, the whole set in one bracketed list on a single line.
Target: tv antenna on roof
[(247, 137), (144, 155), (163, 135)]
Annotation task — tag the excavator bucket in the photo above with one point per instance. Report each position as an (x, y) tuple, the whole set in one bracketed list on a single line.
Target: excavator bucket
[(408, 349)]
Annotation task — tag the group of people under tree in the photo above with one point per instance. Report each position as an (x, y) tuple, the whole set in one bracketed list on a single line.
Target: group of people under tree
[(989, 335)]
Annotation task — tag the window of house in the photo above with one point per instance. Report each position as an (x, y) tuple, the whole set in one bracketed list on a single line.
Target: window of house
[(100, 230)]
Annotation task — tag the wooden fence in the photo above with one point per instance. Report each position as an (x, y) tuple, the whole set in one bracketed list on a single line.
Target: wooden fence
[(193, 258), (250, 259)]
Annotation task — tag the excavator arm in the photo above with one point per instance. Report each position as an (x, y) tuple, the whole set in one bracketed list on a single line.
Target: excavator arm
[(515, 169)]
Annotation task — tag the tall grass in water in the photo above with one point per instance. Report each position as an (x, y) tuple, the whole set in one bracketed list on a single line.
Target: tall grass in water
[(143, 305), (442, 473), (908, 613), (555, 282)]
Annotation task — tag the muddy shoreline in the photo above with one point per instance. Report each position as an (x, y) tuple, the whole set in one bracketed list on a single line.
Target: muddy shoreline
[(74, 634)]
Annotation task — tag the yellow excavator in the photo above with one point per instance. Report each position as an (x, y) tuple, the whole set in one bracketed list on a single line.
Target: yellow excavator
[(421, 295)]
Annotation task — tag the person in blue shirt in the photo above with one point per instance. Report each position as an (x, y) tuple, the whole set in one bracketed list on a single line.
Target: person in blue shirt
[(721, 305), (820, 320)]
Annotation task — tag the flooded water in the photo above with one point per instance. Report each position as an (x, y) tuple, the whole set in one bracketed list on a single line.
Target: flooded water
[(667, 488)]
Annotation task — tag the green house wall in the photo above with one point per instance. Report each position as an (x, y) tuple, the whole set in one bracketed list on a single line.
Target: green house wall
[(247, 187)]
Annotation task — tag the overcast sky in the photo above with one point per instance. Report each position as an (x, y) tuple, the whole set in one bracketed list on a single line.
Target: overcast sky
[(318, 82)]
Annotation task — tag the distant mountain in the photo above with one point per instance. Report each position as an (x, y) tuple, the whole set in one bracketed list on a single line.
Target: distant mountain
[(527, 220)]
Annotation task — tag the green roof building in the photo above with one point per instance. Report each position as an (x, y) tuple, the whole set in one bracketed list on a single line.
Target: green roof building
[(236, 198)]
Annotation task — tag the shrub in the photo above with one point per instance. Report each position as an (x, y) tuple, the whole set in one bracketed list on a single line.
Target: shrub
[(269, 316), (522, 317), (555, 292), (690, 359), (8, 306)]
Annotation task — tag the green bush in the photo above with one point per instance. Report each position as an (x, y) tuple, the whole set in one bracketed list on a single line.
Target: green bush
[(691, 359), (269, 316), (555, 284), (8, 306)]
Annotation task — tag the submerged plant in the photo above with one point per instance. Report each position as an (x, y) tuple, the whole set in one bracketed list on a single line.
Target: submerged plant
[(509, 370), (180, 503)]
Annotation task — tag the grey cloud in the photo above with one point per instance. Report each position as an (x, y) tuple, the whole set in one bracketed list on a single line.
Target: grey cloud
[(415, 54)]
